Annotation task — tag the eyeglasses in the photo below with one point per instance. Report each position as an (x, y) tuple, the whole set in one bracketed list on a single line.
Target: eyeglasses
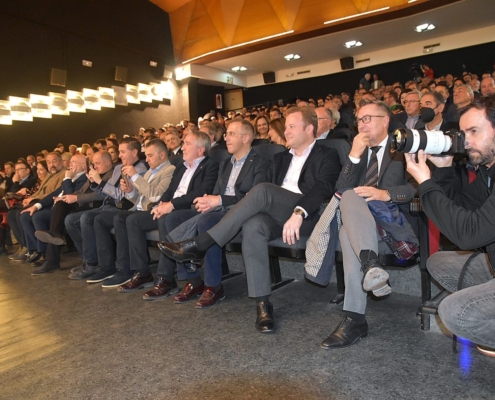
[(232, 134), (411, 101), (19, 169), (367, 118)]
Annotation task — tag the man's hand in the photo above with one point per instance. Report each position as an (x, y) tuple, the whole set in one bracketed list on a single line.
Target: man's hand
[(162, 209), (94, 176), (69, 198), (26, 202), (441, 161), (125, 187), (291, 229), (31, 210), (207, 202), (359, 144), (418, 170), (69, 173), (15, 178), (22, 192), (372, 193), (129, 170)]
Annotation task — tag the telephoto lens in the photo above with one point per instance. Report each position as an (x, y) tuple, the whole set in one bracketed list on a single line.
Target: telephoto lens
[(431, 142)]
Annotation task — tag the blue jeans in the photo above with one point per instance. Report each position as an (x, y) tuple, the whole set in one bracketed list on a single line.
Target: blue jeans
[(470, 312)]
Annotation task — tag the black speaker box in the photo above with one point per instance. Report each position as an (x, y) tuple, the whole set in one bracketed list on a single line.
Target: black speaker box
[(347, 63), (269, 77), (121, 74), (58, 77)]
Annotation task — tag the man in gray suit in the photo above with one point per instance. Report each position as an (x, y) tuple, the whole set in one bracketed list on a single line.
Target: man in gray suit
[(373, 172)]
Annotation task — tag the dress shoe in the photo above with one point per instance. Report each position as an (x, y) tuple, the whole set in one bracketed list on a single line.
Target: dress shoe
[(210, 297), (49, 237), (161, 290), (18, 254), (347, 333), (45, 268), (188, 293), (136, 283), (265, 322), (84, 273), (375, 279), (185, 251), (33, 257)]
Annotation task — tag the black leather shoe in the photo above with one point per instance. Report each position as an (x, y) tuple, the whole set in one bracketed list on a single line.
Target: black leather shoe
[(347, 333), (185, 251), (46, 268), (265, 322), (33, 257)]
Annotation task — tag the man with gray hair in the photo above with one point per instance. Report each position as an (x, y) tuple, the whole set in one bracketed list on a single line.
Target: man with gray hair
[(463, 96)]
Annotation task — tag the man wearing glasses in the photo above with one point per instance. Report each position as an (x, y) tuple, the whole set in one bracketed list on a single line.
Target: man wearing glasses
[(411, 119), (373, 172)]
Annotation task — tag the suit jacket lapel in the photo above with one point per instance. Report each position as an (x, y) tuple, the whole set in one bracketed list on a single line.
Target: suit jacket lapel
[(198, 170), (247, 166), (387, 158), (286, 159)]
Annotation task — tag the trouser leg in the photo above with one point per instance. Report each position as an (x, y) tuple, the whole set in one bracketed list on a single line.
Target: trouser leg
[(122, 252), (59, 212), (212, 264), (13, 219), (28, 229), (41, 221), (73, 225), (137, 225), (103, 224)]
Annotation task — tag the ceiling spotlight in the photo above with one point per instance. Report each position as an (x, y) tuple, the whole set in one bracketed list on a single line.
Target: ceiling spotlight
[(352, 43), (424, 27), (290, 57), (239, 68)]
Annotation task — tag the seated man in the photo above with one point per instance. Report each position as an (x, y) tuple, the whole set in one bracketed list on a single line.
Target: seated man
[(236, 178), (82, 200), (303, 178), (141, 191), (195, 177), (375, 173), (464, 213), (39, 214), (80, 225), (52, 182)]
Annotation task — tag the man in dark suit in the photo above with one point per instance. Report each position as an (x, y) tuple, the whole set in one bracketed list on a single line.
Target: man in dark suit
[(236, 178), (82, 200), (195, 177), (39, 214), (411, 118), (432, 105), (303, 178), (375, 173)]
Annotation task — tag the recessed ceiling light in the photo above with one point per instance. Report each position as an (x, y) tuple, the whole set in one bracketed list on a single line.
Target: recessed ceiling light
[(239, 68), (352, 43), (290, 57), (424, 27)]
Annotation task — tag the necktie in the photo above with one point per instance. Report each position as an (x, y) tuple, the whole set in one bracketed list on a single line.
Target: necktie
[(371, 178)]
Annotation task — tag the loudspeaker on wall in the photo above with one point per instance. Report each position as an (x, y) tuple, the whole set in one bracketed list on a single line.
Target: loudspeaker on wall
[(121, 74), (269, 77), (347, 63), (58, 77)]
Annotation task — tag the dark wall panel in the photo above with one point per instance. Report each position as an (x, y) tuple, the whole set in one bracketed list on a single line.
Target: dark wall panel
[(474, 59), (37, 36)]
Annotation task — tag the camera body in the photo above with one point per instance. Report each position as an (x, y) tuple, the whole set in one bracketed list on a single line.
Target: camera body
[(431, 142)]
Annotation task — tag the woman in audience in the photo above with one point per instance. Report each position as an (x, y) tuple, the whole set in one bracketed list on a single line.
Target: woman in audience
[(84, 148), (261, 127), (276, 132)]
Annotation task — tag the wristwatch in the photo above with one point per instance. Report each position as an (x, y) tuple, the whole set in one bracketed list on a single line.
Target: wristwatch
[(299, 211)]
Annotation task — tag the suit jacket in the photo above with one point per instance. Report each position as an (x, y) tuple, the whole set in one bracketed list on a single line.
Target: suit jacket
[(401, 119), (255, 170), (52, 182), (318, 176), (67, 187), (393, 175), (153, 189), (202, 182), (85, 195), (29, 182)]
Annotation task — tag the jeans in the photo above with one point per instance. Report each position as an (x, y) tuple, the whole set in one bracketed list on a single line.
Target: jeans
[(470, 312)]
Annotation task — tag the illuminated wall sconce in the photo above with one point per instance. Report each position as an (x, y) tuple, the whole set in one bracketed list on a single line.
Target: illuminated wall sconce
[(75, 101), (20, 109), (132, 94), (40, 106), (91, 99), (107, 97), (5, 117), (168, 90), (145, 93), (58, 103), (157, 90)]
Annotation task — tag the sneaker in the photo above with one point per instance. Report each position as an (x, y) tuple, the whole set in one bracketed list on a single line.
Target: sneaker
[(101, 274), (487, 351), (45, 268), (119, 278), (85, 272)]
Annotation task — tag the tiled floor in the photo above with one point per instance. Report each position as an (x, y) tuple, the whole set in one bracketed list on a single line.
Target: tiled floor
[(62, 339)]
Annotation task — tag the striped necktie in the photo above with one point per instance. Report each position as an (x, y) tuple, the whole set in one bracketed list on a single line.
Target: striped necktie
[(371, 178)]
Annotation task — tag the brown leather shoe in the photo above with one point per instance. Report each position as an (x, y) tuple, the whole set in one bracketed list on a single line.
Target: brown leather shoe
[(210, 298), (161, 290), (188, 293), (136, 283)]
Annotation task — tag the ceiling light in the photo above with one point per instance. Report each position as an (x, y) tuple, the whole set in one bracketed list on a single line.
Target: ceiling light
[(412, 1), (424, 27), (5, 116), (20, 109), (290, 57), (352, 43), (40, 106), (355, 16), (239, 68)]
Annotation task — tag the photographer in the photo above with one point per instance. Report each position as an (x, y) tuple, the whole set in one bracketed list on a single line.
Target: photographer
[(464, 213)]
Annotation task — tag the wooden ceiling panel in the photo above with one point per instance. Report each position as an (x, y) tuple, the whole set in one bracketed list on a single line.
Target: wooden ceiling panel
[(170, 5), (179, 26)]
